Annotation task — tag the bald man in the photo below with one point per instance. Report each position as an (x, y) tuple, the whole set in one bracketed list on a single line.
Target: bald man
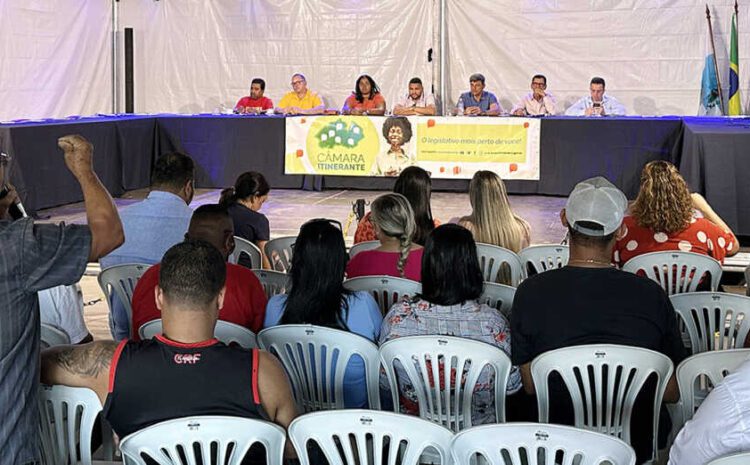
[(244, 302)]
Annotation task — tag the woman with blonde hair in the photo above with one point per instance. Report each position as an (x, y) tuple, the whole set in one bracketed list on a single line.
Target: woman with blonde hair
[(393, 221), (492, 221), (663, 218)]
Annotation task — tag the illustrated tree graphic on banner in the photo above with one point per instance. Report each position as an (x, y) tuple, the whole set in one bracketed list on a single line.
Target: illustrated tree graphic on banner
[(338, 134)]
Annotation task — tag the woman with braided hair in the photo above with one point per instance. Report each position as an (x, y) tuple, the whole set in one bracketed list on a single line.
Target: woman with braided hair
[(393, 221)]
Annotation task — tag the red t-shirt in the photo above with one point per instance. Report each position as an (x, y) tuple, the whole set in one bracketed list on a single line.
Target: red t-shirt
[(264, 103), (244, 300), (377, 263), (701, 236), (367, 104)]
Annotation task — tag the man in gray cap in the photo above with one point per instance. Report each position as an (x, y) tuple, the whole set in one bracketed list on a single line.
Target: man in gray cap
[(589, 301)]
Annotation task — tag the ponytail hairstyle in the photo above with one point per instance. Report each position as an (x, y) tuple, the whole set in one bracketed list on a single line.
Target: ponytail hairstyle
[(317, 295), (249, 184), (395, 218), (415, 184)]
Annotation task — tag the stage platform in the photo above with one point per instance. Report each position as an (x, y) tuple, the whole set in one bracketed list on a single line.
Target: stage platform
[(710, 152)]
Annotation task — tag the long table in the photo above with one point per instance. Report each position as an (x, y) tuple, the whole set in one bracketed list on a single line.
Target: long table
[(225, 145)]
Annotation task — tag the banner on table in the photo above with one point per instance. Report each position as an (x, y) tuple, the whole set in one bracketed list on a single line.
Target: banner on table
[(447, 147)]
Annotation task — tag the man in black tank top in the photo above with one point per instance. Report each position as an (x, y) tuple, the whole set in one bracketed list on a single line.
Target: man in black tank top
[(185, 371)]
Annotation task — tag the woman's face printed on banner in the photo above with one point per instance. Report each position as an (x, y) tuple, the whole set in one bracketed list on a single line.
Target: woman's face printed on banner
[(396, 136)]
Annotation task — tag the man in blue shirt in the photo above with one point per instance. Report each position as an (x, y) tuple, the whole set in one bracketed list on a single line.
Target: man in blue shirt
[(153, 225), (477, 102), (597, 104)]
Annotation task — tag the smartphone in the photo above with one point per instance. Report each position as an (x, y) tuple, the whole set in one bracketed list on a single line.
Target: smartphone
[(597, 104), (16, 210)]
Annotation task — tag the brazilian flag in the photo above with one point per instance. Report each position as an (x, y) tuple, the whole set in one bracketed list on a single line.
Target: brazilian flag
[(735, 107)]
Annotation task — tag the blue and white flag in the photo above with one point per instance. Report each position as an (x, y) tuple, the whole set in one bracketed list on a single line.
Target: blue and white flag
[(710, 103)]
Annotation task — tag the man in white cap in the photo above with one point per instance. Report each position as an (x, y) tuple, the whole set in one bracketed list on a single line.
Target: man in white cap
[(589, 301)]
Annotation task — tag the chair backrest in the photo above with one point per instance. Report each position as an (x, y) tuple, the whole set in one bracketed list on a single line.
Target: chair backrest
[(52, 336), (67, 420), (120, 280), (500, 265), (713, 320), (244, 247), (694, 373), (367, 437), (362, 246), (676, 272), (279, 252), (225, 331), (537, 444), (499, 296), (603, 381), (539, 258), (315, 358), (273, 282), (387, 290), (207, 440), (734, 459), (434, 364)]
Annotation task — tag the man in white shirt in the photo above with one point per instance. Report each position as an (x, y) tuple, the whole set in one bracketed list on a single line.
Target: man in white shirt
[(416, 102), (721, 426), (62, 308), (597, 104), (538, 102)]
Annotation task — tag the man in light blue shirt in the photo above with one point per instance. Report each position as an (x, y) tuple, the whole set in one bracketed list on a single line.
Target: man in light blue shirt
[(477, 102), (597, 104), (153, 225)]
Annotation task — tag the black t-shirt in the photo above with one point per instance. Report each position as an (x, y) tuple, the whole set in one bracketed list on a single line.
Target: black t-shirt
[(249, 224), (575, 306)]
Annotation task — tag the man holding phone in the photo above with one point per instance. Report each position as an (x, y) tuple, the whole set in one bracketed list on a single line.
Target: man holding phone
[(597, 104)]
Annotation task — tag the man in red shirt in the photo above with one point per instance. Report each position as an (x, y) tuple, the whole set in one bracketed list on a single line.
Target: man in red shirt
[(244, 301), (255, 102)]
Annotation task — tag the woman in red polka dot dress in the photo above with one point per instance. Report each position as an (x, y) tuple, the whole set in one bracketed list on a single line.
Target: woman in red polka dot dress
[(663, 217)]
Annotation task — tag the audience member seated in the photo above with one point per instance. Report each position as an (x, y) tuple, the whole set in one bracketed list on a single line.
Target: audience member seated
[(591, 302), (393, 221), (721, 424), (243, 201), (451, 284), (663, 218), (38, 256), (62, 308), (415, 184), (366, 99), (318, 297), (492, 221), (185, 371), (153, 225), (244, 300)]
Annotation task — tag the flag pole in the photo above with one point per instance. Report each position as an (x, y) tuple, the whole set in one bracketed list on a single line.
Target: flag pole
[(716, 64)]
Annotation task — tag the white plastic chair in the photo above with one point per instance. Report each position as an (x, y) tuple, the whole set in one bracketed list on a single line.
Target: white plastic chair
[(121, 280), (315, 358), (589, 370), (67, 420), (703, 368), (387, 290), (676, 272), (500, 265), (273, 282), (499, 296), (279, 252), (540, 258), (245, 247), (225, 331), (362, 246), (206, 439), (365, 437), (734, 459), (538, 444), (432, 365), (52, 336), (713, 320)]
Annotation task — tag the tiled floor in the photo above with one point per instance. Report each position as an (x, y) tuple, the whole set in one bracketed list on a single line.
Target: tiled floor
[(288, 209)]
